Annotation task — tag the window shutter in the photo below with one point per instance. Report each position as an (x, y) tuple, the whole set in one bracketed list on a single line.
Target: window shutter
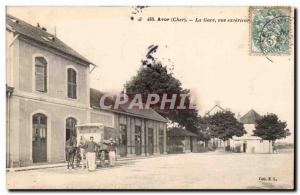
[(40, 74), (72, 86), (39, 83)]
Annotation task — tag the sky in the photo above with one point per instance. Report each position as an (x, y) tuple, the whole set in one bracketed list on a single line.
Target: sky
[(211, 59)]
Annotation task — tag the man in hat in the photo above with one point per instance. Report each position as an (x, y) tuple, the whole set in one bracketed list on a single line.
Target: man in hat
[(111, 152), (91, 147)]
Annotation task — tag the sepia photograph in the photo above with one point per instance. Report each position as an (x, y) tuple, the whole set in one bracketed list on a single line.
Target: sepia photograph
[(150, 97)]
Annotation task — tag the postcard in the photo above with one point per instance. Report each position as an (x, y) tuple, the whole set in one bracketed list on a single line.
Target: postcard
[(150, 98)]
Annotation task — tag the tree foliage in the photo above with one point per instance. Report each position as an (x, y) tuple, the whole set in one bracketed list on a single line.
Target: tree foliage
[(153, 77), (269, 127), (224, 125), (203, 129)]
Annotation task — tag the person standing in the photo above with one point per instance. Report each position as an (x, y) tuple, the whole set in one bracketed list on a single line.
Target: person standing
[(111, 152), (91, 147), (81, 145)]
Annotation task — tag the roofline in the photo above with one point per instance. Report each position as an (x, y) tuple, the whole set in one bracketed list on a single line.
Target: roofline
[(128, 113), (50, 49), (84, 62), (208, 112), (17, 32), (174, 128)]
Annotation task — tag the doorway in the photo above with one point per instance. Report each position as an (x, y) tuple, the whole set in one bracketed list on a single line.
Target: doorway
[(161, 141), (191, 142), (71, 128), (138, 140), (123, 141), (150, 141), (39, 138), (244, 147)]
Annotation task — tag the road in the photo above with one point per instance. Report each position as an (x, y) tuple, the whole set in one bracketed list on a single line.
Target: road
[(213, 170)]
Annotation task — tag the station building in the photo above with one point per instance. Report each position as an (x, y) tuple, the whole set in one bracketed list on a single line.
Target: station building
[(48, 93)]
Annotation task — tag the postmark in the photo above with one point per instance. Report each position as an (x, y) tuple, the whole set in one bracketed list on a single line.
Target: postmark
[(270, 30)]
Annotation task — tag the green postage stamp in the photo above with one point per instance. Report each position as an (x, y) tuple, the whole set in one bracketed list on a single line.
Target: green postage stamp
[(270, 30)]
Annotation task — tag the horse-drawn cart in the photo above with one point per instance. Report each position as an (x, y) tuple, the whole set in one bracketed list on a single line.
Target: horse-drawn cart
[(101, 135)]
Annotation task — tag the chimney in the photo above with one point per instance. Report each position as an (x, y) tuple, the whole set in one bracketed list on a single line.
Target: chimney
[(39, 26)]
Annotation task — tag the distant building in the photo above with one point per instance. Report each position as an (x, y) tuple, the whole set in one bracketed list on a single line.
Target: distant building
[(181, 141), (216, 142), (249, 143), (216, 108)]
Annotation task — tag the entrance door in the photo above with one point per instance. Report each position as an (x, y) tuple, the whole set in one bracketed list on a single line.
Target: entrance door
[(39, 138), (150, 141), (70, 128), (123, 141), (191, 142), (138, 140), (161, 141), (244, 147)]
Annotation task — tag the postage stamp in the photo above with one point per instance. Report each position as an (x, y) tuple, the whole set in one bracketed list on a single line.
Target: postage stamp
[(270, 30)]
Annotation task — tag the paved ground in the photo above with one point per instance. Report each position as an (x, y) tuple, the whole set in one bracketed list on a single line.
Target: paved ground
[(212, 170)]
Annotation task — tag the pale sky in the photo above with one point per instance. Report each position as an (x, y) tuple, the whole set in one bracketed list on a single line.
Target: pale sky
[(211, 59)]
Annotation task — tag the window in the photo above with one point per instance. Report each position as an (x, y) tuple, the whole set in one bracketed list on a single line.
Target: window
[(72, 84), (70, 128), (40, 74)]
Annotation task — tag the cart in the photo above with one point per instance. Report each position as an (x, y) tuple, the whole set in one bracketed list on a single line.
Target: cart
[(101, 134)]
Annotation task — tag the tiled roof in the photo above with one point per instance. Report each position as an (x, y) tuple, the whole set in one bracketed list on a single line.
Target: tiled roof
[(96, 95), (250, 117), (179, 132), (42, 36)]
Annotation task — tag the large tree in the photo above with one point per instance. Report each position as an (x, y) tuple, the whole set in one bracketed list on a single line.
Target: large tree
[(154, 77), (270, 128), (224, 125)]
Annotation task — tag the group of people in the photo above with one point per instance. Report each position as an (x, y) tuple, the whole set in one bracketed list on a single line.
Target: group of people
[(89, 150)]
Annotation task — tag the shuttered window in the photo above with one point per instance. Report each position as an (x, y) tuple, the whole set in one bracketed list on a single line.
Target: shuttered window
[(72, 84), (40, 74)]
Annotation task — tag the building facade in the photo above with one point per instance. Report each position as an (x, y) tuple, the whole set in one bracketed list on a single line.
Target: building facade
[(249, 143), (48, 94), (142, 131), (181, 141)]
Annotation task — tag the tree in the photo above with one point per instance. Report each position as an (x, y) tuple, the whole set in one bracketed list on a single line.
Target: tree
[(270, 128), (154, 77), (203, 129), (224, 125)]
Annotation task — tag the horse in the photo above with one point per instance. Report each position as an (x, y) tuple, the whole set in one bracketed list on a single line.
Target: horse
[(71, 151)]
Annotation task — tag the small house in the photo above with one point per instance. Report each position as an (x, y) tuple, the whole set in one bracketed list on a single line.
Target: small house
[(180, 140)]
